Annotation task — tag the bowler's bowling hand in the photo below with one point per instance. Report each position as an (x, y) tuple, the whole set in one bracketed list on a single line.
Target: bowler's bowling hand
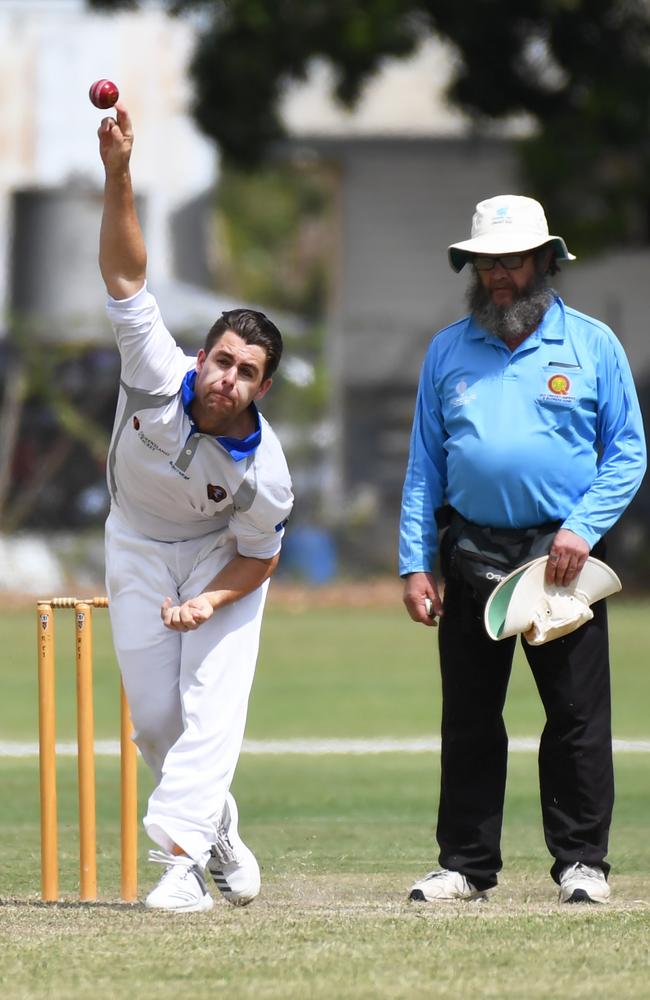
[(569, 553), (116, 140), (422, 599), (187, 616)]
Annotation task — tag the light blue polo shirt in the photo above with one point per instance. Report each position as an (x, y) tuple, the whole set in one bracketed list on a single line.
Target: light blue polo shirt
[(513, 439)]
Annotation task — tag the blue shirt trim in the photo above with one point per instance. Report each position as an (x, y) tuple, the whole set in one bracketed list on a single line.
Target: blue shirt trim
[(237, 448)]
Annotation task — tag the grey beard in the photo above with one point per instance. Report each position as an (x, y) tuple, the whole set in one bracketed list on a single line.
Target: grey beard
[(510, 322)]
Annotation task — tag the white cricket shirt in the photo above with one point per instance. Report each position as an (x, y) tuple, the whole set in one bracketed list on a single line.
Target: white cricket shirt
[(168, 480)]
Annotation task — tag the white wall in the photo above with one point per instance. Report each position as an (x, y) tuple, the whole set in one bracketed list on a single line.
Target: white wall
[(50, 53), (405, 98)]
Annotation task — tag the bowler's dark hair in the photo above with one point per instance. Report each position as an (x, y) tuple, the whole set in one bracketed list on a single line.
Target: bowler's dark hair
[(254, 328)]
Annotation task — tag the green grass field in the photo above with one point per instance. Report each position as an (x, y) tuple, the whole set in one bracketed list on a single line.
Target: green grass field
[(339, 838)]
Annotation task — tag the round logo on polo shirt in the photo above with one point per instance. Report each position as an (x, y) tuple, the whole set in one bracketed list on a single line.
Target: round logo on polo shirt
[(216, 493), (559, 385)]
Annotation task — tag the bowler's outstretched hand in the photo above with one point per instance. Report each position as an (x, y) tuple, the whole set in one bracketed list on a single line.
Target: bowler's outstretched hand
[(187, 616), (116, 140)]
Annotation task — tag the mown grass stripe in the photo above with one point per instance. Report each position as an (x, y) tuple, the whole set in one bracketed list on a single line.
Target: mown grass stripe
[(315, 747)]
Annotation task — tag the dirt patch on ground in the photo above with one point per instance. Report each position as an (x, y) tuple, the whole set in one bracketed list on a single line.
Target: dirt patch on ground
[(381, 592), (384, 592), (517, 895)]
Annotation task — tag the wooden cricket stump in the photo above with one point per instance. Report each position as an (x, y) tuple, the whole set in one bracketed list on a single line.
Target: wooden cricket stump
[(83, 608)]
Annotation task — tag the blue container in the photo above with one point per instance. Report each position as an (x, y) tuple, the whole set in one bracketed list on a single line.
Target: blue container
[(310, 553)]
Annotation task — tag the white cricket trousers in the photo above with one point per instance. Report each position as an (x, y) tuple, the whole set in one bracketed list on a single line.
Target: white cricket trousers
[(188, 691)]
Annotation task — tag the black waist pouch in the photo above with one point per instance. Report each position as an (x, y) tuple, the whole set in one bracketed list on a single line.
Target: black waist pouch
[(482, 556)]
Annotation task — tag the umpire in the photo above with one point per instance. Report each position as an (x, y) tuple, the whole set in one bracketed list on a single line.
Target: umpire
[(527, 440)]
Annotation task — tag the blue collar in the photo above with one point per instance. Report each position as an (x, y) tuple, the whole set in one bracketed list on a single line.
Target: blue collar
[(237, 448)]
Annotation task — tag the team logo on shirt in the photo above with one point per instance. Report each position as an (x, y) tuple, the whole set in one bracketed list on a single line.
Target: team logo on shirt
[(216, 493), (464, 396), (136, 423), (559, 385), (559, 392)]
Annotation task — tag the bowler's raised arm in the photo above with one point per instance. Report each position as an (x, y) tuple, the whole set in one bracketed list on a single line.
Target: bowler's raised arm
[(122, 252)]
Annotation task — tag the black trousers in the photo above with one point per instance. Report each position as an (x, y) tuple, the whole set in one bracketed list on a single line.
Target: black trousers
[(575, 756)]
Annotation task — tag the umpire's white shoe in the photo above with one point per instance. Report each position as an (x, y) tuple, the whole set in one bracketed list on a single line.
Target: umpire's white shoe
[(182, 887), (444, 885), (583, 884), (233, 866)]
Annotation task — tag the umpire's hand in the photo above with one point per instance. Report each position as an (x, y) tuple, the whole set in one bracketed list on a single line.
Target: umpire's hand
[(569, 553), (421, 598)]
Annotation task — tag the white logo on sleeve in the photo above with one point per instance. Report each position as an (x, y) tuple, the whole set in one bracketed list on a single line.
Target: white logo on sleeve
[(463, 396)]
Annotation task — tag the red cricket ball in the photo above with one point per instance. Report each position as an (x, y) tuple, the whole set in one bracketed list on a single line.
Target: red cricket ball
[(103, 94)]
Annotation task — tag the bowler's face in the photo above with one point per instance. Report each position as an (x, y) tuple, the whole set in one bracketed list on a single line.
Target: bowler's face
[(228, 380)]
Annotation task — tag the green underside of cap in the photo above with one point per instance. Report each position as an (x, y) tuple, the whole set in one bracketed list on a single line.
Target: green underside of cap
[(499, 604)]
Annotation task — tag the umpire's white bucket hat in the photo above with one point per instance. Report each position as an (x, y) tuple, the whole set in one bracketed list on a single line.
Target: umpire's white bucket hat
[(508, 223), (524, 603)]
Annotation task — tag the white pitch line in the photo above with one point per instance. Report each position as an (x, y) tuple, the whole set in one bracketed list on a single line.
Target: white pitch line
[(111, 748)]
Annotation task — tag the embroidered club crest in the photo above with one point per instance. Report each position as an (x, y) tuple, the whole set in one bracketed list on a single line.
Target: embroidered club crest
[(559, 385), (216, 493)]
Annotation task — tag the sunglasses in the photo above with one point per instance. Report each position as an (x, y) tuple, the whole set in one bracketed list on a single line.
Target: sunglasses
[(510, 261)]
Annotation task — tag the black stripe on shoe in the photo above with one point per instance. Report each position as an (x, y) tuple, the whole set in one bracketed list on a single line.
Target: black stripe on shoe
[(417, 896), (579, 896)]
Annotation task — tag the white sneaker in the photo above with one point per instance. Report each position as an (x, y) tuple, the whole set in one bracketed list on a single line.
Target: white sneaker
[(583, 884), (444, 885), (182, 887), (233, 866)]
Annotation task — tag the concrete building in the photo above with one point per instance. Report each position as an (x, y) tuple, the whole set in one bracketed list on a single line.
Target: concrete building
[(50, 172)]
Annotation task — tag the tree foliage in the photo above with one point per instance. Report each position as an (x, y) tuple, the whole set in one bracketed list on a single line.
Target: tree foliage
[(579, 68), (274, 236)]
